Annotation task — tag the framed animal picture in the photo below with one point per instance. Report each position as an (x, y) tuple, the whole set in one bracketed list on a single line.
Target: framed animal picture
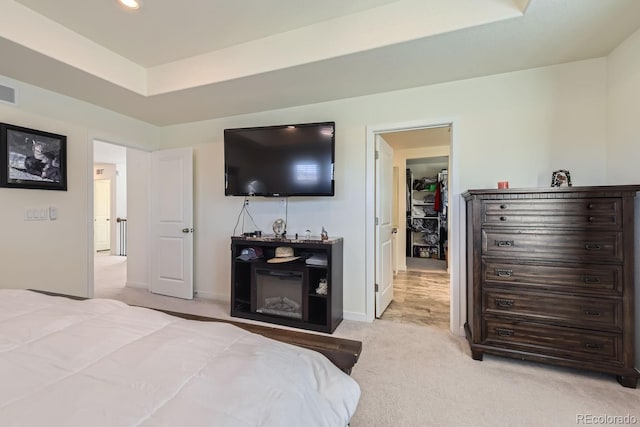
[(561, 178), (32, 158)]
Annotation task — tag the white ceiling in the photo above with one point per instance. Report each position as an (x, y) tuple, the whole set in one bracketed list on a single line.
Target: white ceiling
[(168, 63), (162, 32)]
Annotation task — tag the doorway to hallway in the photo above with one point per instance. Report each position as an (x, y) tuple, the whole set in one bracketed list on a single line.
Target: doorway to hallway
[(110, 213)]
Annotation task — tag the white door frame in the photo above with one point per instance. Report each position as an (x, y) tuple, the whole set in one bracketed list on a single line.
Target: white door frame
[(457, 305), (90, 235)]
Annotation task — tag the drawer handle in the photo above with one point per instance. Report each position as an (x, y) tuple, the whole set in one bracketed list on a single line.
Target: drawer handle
[(504, 303), (592, 247), (593, 346), (590, 206), (504, 273), (591, 280), (590, 312), (503, 332), (504, 243), (503, 218), (503, 206), (590, 218)]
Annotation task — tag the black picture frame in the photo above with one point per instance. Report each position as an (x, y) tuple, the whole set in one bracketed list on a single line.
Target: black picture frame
[(561, 178), (31, 158)]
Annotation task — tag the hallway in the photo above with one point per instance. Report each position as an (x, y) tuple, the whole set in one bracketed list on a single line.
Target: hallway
[(110, 274)]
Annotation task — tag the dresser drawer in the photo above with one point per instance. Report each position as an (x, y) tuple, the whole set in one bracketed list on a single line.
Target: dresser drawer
[(555, 340), (601, 213), (574, 311), (553, 245), (592, 279)]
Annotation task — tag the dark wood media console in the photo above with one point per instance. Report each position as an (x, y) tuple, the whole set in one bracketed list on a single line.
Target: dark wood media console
[(317, 311)]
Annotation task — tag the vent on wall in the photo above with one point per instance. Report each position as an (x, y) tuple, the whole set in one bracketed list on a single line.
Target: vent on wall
[(7, 94)]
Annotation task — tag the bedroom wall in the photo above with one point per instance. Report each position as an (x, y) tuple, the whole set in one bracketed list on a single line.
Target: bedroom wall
[(623, 136), (53, 255), (623, 128), (517, 126)]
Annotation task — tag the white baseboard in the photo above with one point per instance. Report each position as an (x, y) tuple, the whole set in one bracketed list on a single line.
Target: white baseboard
[(213, 296), (138, 285), (359, 317)]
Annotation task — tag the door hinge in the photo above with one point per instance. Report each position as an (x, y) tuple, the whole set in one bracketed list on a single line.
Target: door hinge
[(377, 288), (377, 221), (377, 154)]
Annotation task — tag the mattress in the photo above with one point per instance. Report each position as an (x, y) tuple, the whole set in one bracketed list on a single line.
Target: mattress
[(100, 362)]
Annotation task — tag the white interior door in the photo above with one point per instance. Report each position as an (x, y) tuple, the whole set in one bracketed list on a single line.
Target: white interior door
[(172, 222), (102, 214), (384, 225)]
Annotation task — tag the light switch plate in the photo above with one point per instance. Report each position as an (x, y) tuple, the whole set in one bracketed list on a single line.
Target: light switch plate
[(36, 215), (53, 213)]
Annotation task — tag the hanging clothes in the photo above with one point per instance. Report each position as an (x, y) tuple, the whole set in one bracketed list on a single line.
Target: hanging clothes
[(437, 201)]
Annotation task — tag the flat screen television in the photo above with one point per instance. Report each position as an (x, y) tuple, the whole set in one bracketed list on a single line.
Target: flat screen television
[(280, 161)]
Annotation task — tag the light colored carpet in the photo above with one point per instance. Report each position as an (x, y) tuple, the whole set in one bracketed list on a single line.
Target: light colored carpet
[(110, 271), (412, 375)]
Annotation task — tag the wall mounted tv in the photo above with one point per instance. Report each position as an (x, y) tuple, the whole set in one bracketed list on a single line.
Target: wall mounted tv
[(280, 161)]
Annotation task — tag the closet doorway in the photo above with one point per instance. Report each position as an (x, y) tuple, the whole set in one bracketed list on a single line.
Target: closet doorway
[(427, 182), (422, 283)]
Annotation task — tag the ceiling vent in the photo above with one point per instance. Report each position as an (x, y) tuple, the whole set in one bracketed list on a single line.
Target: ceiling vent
[(7, 94)]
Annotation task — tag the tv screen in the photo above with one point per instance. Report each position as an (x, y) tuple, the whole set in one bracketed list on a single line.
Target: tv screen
[(280, 161)]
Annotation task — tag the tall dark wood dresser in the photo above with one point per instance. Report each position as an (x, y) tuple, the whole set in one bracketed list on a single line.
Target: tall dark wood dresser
[(550, 276)]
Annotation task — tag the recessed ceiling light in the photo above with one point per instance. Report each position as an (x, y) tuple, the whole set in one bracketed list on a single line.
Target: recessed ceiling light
[(130, 4)]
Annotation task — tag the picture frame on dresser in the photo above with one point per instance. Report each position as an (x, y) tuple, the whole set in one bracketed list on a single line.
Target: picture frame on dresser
[(561, 178), (32, 159), (550, 276)]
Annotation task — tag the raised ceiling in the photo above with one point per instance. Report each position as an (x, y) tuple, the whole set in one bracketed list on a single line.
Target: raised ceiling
[(166, 31), (169, 64)]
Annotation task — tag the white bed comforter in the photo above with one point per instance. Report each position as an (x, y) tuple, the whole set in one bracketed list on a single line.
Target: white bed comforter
[(103, 363)]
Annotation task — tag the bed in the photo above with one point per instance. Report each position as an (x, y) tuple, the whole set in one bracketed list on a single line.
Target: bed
[(101, 362)]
